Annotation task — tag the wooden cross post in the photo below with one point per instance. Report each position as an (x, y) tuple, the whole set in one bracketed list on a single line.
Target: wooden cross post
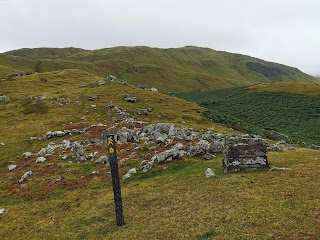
[(110, 139)]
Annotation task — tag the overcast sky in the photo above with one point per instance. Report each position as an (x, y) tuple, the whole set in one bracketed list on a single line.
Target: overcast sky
[(283, 31)]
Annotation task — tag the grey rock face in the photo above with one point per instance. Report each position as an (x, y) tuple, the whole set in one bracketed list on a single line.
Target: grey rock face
[(77, 152), (25, 176), (245, 152)]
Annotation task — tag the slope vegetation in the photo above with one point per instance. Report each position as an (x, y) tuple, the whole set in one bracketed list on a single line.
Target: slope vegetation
[(283, 111), (179, 69), (66, 199)]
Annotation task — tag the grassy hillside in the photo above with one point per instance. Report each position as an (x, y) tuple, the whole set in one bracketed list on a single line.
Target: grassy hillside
[(271, 110), (172, 201), (178, 69)]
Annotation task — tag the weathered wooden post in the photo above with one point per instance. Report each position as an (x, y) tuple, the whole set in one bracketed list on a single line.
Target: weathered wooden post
[(110, 139)]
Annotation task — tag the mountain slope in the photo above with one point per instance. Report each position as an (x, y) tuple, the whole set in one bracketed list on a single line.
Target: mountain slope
[(282, 111), (174, 69)]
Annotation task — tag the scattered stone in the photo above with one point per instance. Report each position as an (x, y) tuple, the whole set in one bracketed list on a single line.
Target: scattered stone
[(93, 98), (130, 173), (209, 173), (64, 157), (245, 152), (41, 159), (102, 160), (82, 86), (65, 144), (42, 151), (274, 168), (58, 179), (101, 82), (123, 82), (146, 111), (141, 87), (93, 155), (2, 143), (153, 90), (25, 176), (208, 156), (12, 167), (2, 211), (129, 99), (4, 98), (111, 78), (82, 118), (27, 155), (77, 152), (94, 172), (200, 148), (147, 167)]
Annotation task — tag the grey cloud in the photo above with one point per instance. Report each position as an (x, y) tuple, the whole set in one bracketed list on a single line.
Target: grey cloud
[(285, 31)]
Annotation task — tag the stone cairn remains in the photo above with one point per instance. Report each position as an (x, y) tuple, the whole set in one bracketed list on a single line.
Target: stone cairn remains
[(245, 152)]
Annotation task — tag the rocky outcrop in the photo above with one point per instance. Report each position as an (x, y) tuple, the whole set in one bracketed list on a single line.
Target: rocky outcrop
[(245, 152)]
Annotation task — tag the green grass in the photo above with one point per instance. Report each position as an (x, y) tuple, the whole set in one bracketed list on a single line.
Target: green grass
[(295, 115), (180, 203), (172, 201)]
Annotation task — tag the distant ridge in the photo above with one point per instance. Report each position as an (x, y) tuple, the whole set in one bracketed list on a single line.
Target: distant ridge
[(174, 69)]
